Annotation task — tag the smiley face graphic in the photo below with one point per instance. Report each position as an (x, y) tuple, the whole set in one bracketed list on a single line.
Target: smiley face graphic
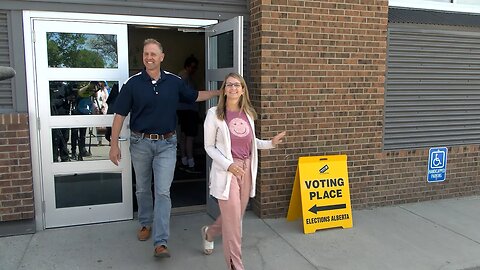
[(239, 127)]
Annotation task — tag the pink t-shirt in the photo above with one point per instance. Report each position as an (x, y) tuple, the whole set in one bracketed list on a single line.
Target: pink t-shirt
[(240, 133)]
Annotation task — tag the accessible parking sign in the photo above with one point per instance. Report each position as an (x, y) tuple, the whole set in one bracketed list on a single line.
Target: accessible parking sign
[(437, 164)]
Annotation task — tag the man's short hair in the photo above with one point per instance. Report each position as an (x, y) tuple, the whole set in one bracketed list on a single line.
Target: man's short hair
[(190, 60), (153, 41)]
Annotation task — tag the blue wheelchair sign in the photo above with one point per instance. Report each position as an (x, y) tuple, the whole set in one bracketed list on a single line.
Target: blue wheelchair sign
[(437, 164)]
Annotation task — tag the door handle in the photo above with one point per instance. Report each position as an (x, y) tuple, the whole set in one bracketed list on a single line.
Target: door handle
[(121, 139)]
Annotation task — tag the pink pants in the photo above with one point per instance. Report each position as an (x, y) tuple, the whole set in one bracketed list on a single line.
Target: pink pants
[(229, 223)]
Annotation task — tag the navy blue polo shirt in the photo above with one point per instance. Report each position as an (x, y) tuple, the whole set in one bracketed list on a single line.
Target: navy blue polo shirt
[(153, 105)]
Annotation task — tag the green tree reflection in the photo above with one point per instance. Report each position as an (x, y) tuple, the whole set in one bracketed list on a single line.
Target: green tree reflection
[(72, 50)]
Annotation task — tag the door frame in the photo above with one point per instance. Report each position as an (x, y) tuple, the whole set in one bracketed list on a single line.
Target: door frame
[(31, 83)]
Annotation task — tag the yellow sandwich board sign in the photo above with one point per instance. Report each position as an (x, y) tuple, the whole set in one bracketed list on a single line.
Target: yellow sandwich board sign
[(321, 195)]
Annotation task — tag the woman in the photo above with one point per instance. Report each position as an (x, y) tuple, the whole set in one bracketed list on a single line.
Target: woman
[(230, 141)]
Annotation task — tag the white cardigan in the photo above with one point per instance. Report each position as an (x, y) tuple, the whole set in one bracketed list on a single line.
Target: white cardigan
[(219, 147)]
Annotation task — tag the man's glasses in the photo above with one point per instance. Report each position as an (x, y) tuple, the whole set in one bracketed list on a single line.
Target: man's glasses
[(236, 85)]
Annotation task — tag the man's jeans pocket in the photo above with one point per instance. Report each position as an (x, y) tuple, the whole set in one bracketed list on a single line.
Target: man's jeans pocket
[(135, 138)]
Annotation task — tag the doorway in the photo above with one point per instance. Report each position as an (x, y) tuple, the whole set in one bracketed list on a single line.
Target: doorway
[(189, 185)]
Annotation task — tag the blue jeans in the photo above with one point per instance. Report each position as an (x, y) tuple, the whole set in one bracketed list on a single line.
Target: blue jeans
[(159, 156)]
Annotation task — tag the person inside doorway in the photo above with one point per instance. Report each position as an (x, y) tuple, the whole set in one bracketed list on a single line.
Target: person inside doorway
[(231, 143), (188, 118), (151, 98)]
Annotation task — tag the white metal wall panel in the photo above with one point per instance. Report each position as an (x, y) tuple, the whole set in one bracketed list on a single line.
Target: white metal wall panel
[(6, 100), (433, 87)]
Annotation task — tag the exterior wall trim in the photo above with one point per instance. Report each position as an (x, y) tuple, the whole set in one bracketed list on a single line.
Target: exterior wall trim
[(33, 123)]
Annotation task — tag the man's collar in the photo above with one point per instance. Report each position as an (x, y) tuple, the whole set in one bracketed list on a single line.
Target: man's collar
[(148, 78)]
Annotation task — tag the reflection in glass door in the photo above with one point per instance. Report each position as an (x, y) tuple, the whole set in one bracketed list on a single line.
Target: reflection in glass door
[(224, 50), (78, 69)]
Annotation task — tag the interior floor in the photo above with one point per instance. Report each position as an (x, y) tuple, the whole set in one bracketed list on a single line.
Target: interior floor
[(189, 187)]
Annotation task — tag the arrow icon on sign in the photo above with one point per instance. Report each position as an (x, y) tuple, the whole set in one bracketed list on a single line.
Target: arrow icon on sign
[(316, 208)]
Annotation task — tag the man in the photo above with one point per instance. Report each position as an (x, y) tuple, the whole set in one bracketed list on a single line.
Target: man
[(188, 117), (151, 97), (83, 106)]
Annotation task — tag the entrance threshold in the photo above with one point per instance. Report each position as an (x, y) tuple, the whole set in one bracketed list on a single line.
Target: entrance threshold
[(188, 210)]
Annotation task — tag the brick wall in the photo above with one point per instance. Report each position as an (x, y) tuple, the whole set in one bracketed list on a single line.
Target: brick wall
[(16, 185), (318, 71), (401, 177)]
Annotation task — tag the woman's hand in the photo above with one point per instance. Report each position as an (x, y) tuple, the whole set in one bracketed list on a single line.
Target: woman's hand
[(278, 138), (236, 170)]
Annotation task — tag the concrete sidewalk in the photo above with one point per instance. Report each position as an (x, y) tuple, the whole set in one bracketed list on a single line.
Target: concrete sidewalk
[(442, 234)]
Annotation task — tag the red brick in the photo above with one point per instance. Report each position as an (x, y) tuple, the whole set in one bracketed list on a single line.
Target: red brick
[(15, 168)]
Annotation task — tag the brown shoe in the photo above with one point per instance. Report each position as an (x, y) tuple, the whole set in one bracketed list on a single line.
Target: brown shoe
[(161, 252), (144, 233)]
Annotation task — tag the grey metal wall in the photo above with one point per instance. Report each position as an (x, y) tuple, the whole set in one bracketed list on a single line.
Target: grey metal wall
[(433, 86), (200, 9), (6, 95)]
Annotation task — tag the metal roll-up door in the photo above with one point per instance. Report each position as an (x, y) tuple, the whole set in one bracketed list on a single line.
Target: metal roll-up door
[(433, 86)]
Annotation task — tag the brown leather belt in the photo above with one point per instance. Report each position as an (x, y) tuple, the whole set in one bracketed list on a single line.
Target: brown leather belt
[(155, 137)]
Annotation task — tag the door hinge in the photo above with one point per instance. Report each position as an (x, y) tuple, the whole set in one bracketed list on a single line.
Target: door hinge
[(43, 206), (33, 36), (38, 123)]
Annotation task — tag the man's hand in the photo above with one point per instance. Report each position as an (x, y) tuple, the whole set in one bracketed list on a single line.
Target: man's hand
[(205, 95), (115, 155)]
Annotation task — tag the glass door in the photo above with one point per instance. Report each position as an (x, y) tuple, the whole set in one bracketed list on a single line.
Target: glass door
[(78, 66), (224, 51)]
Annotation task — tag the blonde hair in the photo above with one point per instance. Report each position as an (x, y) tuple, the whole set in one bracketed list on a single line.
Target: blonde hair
[(152, 41), (245, 104)]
